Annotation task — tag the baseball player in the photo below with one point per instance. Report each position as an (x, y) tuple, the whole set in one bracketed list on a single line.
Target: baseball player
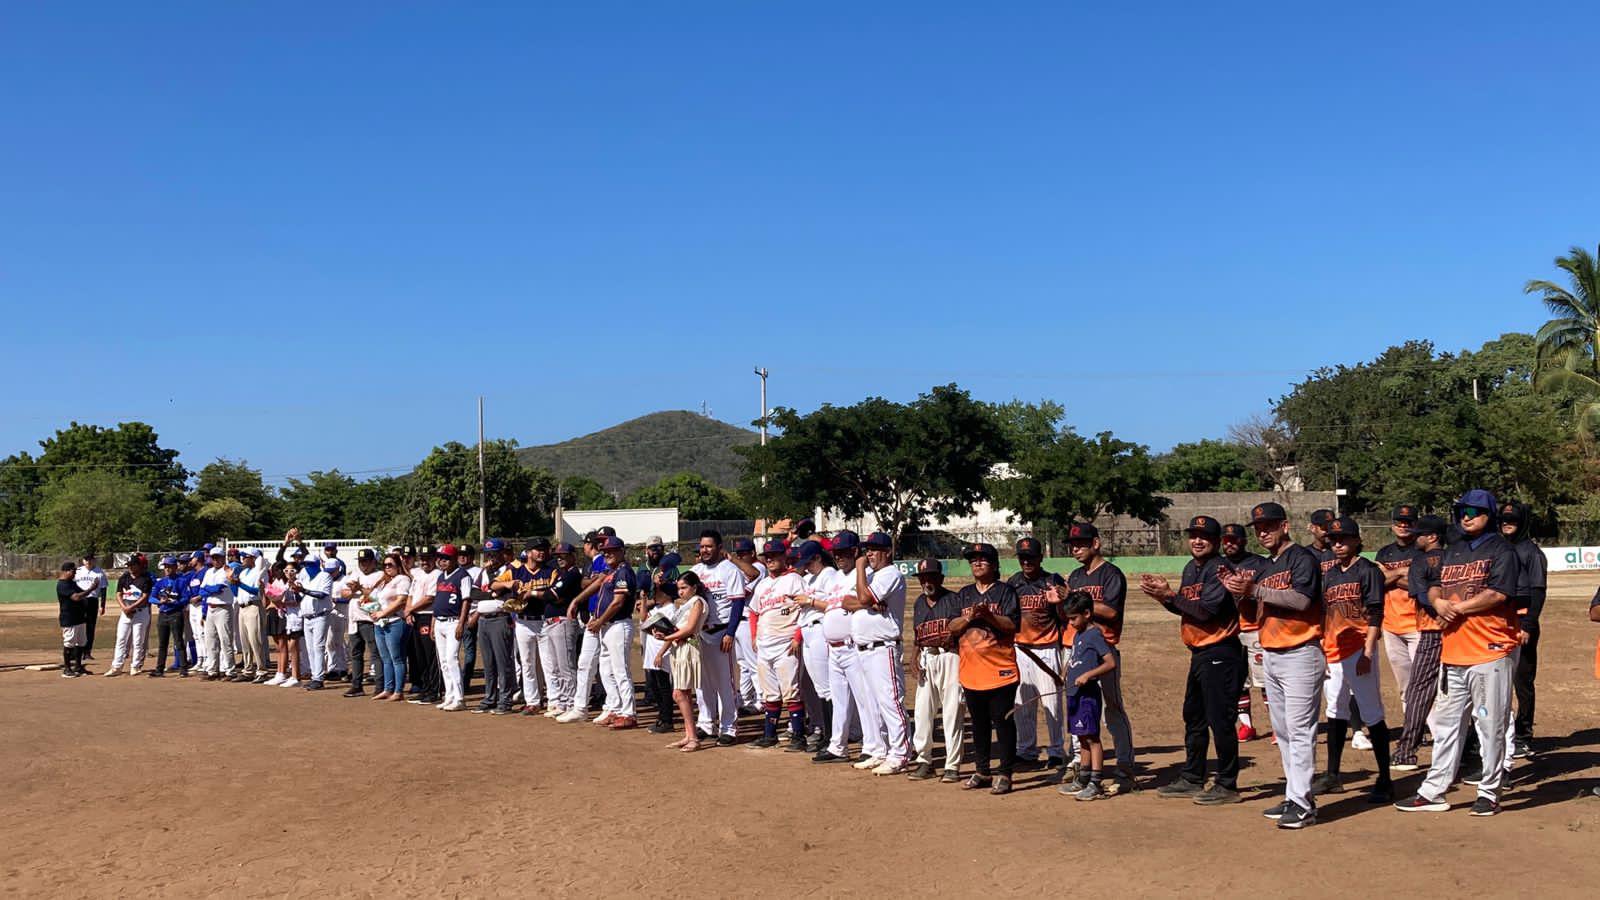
[(493, 624), (726, 591), (744, 556), (877, 619), (1040, 635), (532, 580), (1423, 685), (90, 579), (985, 634), (195, 623), (1400, 635), (935, 670), (427, 682), (1531, 581), (315, 589), (822, 583), (560, 633), (338, 614), (216, 589), (250, 609), (72, 602), (1235, 558), (1286, 598), (452, 601), (613, 622), (1477, 581), (850, 706), (1353, 605), (1209, 626), (583, 609), (778, 642), (1320, 546), (171, 614), (1108, 588), (135, 588)]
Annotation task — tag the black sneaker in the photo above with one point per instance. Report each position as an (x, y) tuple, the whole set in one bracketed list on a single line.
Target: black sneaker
[(660, 728), (797, 744), (1420, 803), (1382, 792), (763, 742), (823, 756), (922, 772), (1327, 783), (1027, 765), (1181, 788), (314, 686), (1055, 762), (1295, 818), (354, 692), (1483, 806), (1216, 795), (156, 674), (701, 735), (814, 743), (1521, 748), (951, 776), (725, 740), (1276, 812), (481, 709)]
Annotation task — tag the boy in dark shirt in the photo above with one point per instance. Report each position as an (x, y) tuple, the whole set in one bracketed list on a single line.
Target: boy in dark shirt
[(72, 619), (1091, 659)]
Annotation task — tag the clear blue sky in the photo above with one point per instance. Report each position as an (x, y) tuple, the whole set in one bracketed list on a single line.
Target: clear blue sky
[(1161, 218)]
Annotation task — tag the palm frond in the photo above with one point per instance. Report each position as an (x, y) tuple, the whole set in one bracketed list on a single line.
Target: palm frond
[(1557, 379)]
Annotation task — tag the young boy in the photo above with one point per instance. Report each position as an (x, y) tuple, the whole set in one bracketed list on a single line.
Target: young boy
[(1091, 659)]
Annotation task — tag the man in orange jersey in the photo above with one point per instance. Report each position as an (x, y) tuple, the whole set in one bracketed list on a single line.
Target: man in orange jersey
[(1040, 594), (1286, 598), (1236, 558), (1477, 581), (1352, 597), (1400, 634), (1210, 629)]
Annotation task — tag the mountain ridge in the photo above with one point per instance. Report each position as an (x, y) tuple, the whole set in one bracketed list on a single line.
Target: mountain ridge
[(643, 450)]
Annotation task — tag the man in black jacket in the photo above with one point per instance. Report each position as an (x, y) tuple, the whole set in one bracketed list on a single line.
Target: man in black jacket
[(1531, 583)]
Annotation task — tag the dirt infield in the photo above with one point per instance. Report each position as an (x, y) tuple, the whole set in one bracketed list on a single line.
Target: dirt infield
[(142, 787)]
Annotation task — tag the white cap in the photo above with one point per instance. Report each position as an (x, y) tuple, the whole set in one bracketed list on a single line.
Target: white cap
[(218, 551), (251, 552)]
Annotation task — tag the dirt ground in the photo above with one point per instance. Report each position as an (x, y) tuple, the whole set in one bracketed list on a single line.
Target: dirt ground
[(136, 787)]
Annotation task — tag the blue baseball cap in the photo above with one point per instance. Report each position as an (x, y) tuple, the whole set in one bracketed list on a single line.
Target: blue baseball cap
[(671, 561), (878, 541), (774, 548), (330, 546), (846, 540), (198, 554), (744, 545), (612, 543), (493, 545), (808, 550), (562, 548), (1477, 497), (169, 560)]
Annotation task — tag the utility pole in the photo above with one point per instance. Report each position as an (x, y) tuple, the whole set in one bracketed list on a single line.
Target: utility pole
[(762, 374), (483, 503)]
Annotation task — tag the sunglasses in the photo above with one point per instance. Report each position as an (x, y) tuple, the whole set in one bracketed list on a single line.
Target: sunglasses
[(1472, 512), (389, 565)]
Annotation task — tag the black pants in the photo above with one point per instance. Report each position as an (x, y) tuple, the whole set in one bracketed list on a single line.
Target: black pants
[(1522, 683), (469, 658), (1419, 696), (422, 658), (358, 644), (989, 711), (169, 627), (88, 626), (499, 660), (1210, 703), (658, 687)]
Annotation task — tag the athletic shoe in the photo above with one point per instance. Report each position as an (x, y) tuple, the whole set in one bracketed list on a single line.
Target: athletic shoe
[(69, 673), (1483, 806), (1382, 792), (1024, 764), (1403, 767), (764, 742), (156, 673), (1276, 812), (922, 772), (1071, 787), (1002, 785), (623, 723), (977, 780), (288, 682), (1420, 803), (797, 744), (554, 712), (1473, 779), (1180, 788), (261, 679), (891, 767), (1521, 748), (604, 718), (660, 728), (314, 686), (354, 692), (1245, 732), (1360, 741), (1091, 790), (481, 708), (951, 776), (110, 673), (725, 740), (702, 735), (275, 680), (1327, 783), (814, 742), (242, 677), (457, 706), (1056, 762), (572, 715), (1294, 817), (1216, 795), (868, 762), (500, 711), (823, 756)]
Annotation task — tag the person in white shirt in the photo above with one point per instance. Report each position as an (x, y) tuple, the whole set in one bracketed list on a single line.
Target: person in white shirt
[(216, 592), (338, 614), (821, 581), (90, 577), (744, 647), (316, 603), (386, 604), (427, 684), (877, 614), (776, 610), (725, 590), (250, 605), (845, 681), (358, 590)]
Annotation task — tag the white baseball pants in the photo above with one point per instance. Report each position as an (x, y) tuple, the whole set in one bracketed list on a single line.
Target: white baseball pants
[(529, 635), (555, 656), (778, 674), (886, 687), (814, 661), (716, 697), (1401, 650), (338, 628), (1037, 691), (197, 633), (939, 694), (315, 644), (219, 641), (744, 647), (133, 640), (588, 664), (1343, 683), (850, 691), (616, 669), (449, 650)]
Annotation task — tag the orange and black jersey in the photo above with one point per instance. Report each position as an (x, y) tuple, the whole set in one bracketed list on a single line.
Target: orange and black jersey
[(1424, 574), (1042, 621), (930, 619), (1294, 569), (1469, 567), (1399, 610), (1205, 607), (1249, 565), (1107, 585), (1324, 556), (1352, 600), (988, 658)]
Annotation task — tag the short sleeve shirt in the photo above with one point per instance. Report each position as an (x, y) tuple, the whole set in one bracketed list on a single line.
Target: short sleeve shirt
[(777, 616), (1352, 602), (930, 619), (1089, 649), (1399, 610), (1042, 623), (988, 658), (1464, 572), (620, 586), (1295, 569), (724, 584), (885, 621), (1106, 584)]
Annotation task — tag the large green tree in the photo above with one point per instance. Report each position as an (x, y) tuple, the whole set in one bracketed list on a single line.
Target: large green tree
[(901, 464), (1569, 344), (1209, 465), (582, 492), (440, 500), (93, 511), (695, 498), (235, 480), (332, 504)]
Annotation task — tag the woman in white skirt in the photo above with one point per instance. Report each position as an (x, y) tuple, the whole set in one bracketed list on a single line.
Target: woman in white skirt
[(683, 647)]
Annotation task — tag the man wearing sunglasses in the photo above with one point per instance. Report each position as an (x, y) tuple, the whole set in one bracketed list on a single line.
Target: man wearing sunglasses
[(1473, 599)]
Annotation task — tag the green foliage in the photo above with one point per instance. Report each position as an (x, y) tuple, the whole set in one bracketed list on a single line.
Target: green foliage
[(1569, 344), (639, 452), (234, 480), (440, 500), (901, 464), (1209, 465), (224, 517), (1057, 476), (695, 498), (580, 492), (93, 511), (332, 504)]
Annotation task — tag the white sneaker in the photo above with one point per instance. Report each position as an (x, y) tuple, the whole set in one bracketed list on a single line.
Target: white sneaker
[(604, 718), (1360, 741), (891, 767), (288, 682), (871, 762), (572, 715), (457, 706), (554, 712), (274, 681), (110, 673)]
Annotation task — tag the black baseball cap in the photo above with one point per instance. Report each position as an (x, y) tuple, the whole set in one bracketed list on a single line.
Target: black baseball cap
[(1321, 517), (1268, 512), (744, 545), (930, 566), (1344, 527), (987, 551), (606, 530), (1236, 531), (1509, 512), (562, 548), (367, 554), (1205, 526), (1030, 547), (1082, 531), (1405, 512), (808, 550), (878, 541), (539, 543), (1430, 525), (846, 540)]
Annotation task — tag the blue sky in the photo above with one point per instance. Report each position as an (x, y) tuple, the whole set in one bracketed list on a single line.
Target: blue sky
[(361, 216)]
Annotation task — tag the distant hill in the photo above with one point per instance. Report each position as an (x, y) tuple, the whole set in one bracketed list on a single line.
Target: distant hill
[(640, 452)]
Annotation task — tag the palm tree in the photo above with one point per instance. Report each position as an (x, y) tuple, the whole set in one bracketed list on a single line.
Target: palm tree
[(1572, 338)]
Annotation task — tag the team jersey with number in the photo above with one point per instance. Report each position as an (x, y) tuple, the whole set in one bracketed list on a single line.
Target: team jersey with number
[(1296, 569), (1250, 565), (777, 616), (724, 584), (1464, 572), (1352, 600)]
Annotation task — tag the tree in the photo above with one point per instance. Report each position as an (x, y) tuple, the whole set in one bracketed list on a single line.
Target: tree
[(900, 464), (441, 496), (1569, 344), (235, 480), (1057, 477), (1208, 465), (93, 511), (225, 517), (695, 498), (317, 506), (582, 492)]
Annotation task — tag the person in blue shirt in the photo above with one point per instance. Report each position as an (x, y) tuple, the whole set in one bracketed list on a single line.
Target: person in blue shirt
[(613, 623), (172, 616), (195, 618)]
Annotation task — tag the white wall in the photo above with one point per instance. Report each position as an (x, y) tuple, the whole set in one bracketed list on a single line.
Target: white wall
[(634, 526)]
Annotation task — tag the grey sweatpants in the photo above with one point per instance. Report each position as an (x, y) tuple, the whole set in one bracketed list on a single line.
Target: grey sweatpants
[(1469, 696), (1116, 714), (1294, 695)]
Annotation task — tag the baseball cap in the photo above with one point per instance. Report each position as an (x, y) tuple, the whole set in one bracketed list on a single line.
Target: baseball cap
[(367, 554), (612, 542), (1321, 517), (169, 560), (1234, 531), (1029, 547), (774, 548), (207, 546), (654, 541), (448, 550), (1509, 512), (562, 548), (591, 537), (987, 551), (1477, 498), (878, 541), (1344, 526), (846, 540), (930, 566), (1430, 525), (806, 551), (298, 552), (671, 561), (1268, 512), (218, 551), (1082, 531), (251, 552), (1205, 526), (804, 524), (1404, 513), (330, 545), (744, 545), (493, 545), (138, 558), (606, 530), (539, 543)]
